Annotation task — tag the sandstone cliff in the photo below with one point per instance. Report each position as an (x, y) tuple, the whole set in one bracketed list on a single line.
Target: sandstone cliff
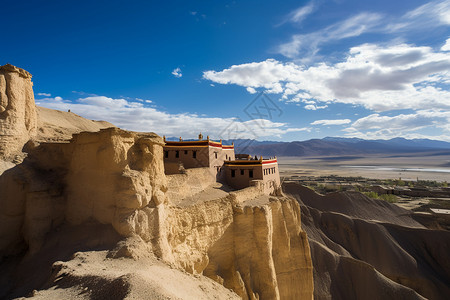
[(18, 120), (116, 177), (102, 197), (22, 121), (364, 248)]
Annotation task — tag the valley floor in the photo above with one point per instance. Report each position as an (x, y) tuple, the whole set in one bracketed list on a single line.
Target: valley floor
[(408, 166)]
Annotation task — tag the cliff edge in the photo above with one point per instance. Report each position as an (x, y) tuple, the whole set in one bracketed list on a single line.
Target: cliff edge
[(94, 215)]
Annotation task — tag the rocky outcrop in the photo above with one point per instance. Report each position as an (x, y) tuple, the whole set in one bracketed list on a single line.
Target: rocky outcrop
[(18, 120), (114, 177), (260, 252), (365, 248), (115, 180)]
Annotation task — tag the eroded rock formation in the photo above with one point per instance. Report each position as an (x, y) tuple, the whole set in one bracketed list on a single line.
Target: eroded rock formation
[(18, 118), (115, 179), (365, 248)]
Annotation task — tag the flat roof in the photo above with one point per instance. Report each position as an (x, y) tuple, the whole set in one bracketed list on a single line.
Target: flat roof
[(249, 162), (202, 143)]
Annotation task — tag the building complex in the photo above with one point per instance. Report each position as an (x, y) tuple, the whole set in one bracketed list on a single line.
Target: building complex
[(236, 170)]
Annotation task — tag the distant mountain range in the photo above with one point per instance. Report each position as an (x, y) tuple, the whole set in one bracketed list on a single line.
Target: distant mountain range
[(338, 146), (334, 146)]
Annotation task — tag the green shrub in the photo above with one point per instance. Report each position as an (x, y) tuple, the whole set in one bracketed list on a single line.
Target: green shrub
[(386, 197), (372, 195), (389, 198)]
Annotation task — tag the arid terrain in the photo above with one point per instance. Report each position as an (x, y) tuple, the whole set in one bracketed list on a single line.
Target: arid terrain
[(87, 212), (407, 166)]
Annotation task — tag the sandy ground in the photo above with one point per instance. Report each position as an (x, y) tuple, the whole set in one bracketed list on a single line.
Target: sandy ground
[(215, 191), (55, 125), (424, 166), (91, 275)]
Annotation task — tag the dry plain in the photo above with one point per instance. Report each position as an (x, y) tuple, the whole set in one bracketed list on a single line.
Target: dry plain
[(407, 166)]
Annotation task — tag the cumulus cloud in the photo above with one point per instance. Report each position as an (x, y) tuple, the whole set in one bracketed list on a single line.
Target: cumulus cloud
[(331, 122), (380, 78), (251, 90), (376, 126), (314, 107), (45, 94), (177, 73), (446, 46), (403, 122), (135, 115)]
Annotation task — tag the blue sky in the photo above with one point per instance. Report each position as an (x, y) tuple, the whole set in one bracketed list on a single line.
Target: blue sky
[(368, 69)]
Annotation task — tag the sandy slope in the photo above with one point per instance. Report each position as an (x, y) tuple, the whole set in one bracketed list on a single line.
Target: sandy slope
[(369, 249), (91, 261), (55, 125)]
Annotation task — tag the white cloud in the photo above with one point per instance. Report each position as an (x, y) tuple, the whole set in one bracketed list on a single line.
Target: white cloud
[(437, 12), (314, 107), (177, 73), (299, 14), (138, 117), (307, 45), (251, 90), (403, 122), (45, 94), (380, 78), (376, 126), (446, 46), (331, 122)]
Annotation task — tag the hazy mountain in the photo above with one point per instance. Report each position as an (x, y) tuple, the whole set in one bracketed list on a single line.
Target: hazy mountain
[(337, 146)]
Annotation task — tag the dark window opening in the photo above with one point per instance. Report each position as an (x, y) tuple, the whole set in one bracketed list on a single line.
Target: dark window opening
[(242, 172), (177, 154), (215, 154), (194, 154), (233, 173), (166, 154), (250, 173), (185, 151)]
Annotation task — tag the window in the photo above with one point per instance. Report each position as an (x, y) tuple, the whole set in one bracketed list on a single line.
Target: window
[(226, 156), (177, 154), (233, 173), (166, 154), (185, 152), (242, 172), (215, 154), (250, 173), (194, 154)]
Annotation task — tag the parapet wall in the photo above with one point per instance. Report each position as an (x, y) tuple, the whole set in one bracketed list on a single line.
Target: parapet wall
[(191, 182)]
